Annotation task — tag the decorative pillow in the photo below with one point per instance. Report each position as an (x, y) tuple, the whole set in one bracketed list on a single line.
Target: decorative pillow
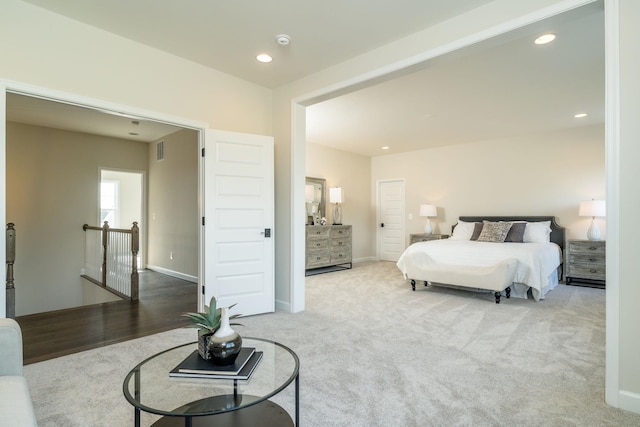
[(476, 231), (494, 231), (463, 231), (516, 232), (537, 232)]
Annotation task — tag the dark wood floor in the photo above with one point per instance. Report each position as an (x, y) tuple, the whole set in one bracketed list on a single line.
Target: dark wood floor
[(57, 333)]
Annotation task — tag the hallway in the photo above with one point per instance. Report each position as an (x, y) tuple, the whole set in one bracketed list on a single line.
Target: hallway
[(57, 333)]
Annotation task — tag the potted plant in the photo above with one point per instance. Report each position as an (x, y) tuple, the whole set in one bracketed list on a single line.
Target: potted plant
[(207, 322)]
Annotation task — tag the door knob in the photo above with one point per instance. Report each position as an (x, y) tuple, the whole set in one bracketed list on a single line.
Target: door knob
[(382, 225)]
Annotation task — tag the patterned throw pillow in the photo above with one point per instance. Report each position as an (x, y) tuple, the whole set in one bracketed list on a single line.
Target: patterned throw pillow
[(494, 231)]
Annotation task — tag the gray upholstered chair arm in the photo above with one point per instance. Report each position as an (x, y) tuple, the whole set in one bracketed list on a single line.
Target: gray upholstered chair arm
[(10, 347)]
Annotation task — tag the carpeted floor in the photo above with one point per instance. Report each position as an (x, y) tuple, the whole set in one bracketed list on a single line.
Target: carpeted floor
[(374, 353)]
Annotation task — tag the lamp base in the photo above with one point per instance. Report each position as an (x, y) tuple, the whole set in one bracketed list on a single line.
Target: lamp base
[(593, 233), (337, 214), (427, 228)]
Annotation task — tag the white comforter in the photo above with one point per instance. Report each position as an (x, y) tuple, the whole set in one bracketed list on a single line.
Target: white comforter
[(536, 261)]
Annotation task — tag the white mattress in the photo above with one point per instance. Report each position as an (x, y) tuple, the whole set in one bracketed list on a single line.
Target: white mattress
[(536, 261)]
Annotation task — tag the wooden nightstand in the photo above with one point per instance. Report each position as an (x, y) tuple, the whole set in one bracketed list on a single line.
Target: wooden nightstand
[(586, 263), (413, 238)]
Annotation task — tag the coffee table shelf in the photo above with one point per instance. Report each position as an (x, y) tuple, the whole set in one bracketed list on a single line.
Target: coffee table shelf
[(220, 402)]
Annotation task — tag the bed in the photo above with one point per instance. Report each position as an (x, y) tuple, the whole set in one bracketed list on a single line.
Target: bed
[(514, 255)]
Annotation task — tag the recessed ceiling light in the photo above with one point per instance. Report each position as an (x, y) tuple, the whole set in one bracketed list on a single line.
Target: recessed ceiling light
[(263, 57), (385, 148), (580, 115), (545, 38)]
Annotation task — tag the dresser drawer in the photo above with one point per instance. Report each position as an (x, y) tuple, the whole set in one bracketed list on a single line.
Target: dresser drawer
[(318, 259), (316, 244), (317, 232), (340, 243), (338, 231), (341, 256)]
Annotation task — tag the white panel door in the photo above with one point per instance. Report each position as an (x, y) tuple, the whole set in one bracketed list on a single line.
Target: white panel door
[(238, 221), (391, 224)]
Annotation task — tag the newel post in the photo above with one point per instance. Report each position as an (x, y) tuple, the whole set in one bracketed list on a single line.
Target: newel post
[(11, 258), (135, 247), (105, 239)]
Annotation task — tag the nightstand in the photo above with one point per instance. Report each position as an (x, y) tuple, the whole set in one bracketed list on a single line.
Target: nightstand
[(413, 238), (586, 261)]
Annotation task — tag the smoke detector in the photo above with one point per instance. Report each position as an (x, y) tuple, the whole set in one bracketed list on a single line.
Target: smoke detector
[(283, 39)]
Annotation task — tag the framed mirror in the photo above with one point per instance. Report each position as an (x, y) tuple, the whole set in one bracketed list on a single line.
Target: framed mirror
[(314, 195)]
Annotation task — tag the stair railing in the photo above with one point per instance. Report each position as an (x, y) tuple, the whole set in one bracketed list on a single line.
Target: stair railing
[(111, 258)]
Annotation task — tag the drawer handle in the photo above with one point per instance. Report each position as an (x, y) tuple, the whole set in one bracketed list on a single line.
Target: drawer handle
[(318, 258), (593, 270), (593, 248), (318, 245), (592, 259)]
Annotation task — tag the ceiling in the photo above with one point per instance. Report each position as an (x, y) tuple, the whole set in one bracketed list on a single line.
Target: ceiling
[(501, 88)]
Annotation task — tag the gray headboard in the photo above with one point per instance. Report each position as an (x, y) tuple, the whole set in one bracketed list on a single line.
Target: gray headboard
[(557, 233)]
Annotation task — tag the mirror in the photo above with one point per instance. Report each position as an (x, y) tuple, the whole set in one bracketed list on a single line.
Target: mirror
[(314, 195)]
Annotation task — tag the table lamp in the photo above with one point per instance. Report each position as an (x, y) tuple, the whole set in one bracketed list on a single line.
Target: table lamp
[(593, 208), (427, 211), (335, 196)]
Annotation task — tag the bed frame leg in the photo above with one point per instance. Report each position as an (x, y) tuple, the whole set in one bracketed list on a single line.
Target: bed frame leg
[(413, 284), (508, 291), (497, 295)]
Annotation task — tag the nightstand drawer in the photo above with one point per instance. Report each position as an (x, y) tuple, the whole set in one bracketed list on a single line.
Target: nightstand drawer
[(585, 271), (589, 259), (586, 247)]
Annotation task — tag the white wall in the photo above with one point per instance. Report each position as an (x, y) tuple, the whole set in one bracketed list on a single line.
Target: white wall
[(351, 172), (543, 174)]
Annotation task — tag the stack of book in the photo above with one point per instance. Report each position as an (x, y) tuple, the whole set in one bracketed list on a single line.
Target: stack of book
[(195, 366)]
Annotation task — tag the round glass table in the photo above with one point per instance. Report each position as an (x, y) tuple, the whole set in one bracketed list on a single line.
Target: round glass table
[(208, 401)]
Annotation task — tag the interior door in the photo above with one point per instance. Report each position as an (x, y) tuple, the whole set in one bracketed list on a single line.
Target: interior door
[(391, 225), (238, 221)]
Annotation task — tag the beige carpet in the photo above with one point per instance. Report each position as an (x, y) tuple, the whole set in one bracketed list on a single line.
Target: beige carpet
[(374, 353)]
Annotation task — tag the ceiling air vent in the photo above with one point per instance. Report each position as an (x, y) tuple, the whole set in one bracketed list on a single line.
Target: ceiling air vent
[(160, 151)]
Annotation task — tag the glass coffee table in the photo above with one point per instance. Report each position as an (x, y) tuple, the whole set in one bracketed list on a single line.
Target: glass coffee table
[(220, 402)]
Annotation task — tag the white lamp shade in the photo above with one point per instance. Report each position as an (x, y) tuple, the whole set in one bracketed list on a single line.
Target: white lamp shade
[(428, 210), (335, 195), (593, 208)]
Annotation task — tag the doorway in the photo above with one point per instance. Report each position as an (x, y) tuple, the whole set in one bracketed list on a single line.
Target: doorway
[(122, 203), (390, 219)]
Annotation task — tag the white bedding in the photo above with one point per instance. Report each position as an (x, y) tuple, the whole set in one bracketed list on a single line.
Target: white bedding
[(536, 261)]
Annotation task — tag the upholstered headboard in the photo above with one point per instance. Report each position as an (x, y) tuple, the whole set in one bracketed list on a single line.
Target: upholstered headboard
[(557, 233)]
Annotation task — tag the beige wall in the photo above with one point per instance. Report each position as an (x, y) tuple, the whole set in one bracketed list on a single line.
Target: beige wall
[(352, 173), (53, 181), (544, 174), (173, 206)]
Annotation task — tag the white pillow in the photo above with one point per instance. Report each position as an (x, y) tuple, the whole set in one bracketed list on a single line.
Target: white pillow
[(463, 231), (537, 232)]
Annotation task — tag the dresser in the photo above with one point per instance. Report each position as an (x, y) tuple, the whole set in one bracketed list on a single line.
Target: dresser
[(328, 246), (421, 237), (586, 263)]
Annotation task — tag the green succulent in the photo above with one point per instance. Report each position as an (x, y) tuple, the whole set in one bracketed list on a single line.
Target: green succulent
[(208, 321)]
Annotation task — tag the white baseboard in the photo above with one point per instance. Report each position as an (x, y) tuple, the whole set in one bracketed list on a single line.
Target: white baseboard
[(629, 401), (283, 306), (365, 259), (172, 273)]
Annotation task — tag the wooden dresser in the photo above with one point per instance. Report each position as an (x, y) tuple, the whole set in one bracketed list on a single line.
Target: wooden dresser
[(328, 246), (586, 260)]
